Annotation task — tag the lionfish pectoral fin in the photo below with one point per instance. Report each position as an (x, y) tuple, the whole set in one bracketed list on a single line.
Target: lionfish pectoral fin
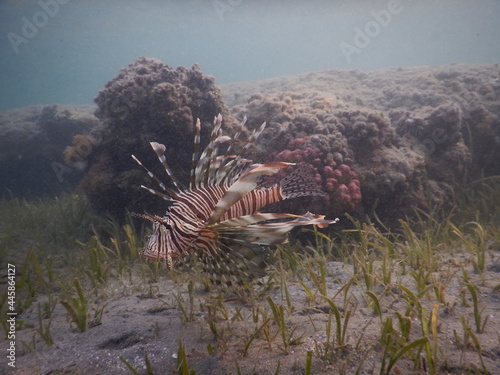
[(242, 186), (235, 263), (239, 256), (318, 220), (254, 228)]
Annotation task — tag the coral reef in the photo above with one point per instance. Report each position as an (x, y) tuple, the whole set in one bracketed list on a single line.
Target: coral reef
[(440, 140), (409, 136), (332, 138), (147, 101)]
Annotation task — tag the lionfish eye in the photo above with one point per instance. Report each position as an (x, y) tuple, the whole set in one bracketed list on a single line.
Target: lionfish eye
[(165, 225)]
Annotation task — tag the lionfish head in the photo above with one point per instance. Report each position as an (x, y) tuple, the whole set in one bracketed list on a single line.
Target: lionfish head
[(157, 247)]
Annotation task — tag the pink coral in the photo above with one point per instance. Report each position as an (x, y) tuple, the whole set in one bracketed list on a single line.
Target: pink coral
[(340, 182)]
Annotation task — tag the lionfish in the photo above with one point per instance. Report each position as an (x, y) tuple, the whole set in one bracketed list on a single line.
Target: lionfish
[(217, 219)]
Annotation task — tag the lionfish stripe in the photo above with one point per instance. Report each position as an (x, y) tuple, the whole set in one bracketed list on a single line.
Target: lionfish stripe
[(242, 186), (201, 201), (156, 248), (253, 201)]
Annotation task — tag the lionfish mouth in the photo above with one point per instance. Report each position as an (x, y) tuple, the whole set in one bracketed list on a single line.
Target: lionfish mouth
[(217, 218)]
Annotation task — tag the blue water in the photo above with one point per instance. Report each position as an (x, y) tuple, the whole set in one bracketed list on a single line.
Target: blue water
[(64, 51)]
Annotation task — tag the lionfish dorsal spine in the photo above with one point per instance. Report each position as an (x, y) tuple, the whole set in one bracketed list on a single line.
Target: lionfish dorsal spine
[(170, 193), (159, 150), (253, 138), (196, 154), (238, 161), (203, 164), (236, 136)]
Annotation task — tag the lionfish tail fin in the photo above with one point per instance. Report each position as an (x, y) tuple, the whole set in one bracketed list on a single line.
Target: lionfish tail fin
[(300, 183)]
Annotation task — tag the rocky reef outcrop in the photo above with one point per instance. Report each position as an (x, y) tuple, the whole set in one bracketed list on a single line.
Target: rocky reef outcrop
[(382, 142), (147, 101)]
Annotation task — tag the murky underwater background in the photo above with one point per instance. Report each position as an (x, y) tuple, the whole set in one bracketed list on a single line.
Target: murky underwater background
[(64, 51), (393, 105)]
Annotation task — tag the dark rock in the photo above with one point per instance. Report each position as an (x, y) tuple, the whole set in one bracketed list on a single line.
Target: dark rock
[(32, 141)]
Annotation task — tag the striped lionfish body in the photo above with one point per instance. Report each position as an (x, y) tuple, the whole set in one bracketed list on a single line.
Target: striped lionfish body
[(217, 218)]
